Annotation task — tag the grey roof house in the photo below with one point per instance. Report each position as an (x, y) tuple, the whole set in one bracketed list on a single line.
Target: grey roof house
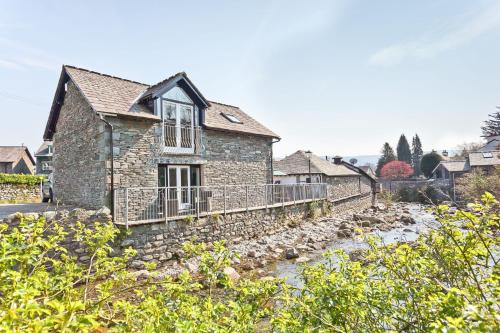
[(43, 158), (111, 133), (16, 159), (345, 178)]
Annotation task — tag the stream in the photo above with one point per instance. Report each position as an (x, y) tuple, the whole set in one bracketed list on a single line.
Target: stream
[(289, 270)]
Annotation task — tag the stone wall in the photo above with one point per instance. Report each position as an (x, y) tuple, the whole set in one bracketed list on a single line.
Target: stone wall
[(79, 162), (347, 186), (236, 159), (19, 193)]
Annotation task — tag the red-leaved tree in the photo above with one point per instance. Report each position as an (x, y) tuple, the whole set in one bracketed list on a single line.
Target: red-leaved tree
[(396, 169)]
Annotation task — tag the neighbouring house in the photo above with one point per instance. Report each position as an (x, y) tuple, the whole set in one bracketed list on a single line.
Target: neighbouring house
[(492, 143), (450, 169), (149, 137), (44, 158), (16, 159), (345, 179), (486, 161)]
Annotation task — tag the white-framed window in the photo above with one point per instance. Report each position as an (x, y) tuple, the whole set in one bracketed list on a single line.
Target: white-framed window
[(46, 166), (177, 111)]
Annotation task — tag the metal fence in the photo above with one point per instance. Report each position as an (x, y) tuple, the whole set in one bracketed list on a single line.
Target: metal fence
[(153, 204)]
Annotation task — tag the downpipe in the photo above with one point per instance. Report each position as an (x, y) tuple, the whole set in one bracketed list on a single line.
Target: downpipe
[(110, 127)]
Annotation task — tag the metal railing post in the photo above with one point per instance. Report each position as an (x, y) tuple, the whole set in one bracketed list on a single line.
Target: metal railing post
[(246, 196), (165, 204), (282, 195), (126, 207), (198, 202), (265, 195), (224, 195)]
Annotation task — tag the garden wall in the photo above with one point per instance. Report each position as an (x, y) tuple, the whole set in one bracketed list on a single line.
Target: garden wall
[(19, 193)]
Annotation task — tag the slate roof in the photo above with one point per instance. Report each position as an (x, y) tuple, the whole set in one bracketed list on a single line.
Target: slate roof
[(43, 150), (114, 95), (215, 120), (298, 163), (480, 159), (14, 153), (454, 166), (492, 143)]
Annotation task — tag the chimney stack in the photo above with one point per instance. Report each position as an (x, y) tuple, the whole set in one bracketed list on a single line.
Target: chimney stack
[(337, 159)]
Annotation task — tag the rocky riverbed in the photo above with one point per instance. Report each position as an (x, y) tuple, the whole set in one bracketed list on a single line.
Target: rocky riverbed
[(280, 254)]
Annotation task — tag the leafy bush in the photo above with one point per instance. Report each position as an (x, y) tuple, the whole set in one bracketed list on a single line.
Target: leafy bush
[(473, 184), (446, 281), (7, 178)]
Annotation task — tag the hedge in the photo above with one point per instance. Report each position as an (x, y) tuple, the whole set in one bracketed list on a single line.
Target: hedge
[(7, 178)]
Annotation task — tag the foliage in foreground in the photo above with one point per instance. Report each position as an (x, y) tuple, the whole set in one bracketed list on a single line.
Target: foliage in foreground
[(448, 280)]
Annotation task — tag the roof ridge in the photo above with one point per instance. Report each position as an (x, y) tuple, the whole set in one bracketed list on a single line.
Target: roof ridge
[(107, 75), (233, 106)]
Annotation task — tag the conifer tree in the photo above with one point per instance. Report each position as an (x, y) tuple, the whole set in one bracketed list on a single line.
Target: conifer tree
[(387, 156), (403, 149), (492, 126), (416, 154)]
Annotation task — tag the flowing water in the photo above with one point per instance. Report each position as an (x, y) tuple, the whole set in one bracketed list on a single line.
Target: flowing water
[(289, 270)]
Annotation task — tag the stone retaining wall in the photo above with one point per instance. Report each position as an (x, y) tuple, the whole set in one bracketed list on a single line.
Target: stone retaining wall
[(19, 193), (160, 242)]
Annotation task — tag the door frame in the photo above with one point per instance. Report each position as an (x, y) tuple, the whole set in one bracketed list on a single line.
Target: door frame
[(178, 168)]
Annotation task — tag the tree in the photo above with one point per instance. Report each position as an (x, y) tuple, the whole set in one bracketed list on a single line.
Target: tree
[(429, 162), (492, 126), (403, 149), (353, 161), (471, 185), (466, 148), (396, 169), (416, 154), (387, 156)]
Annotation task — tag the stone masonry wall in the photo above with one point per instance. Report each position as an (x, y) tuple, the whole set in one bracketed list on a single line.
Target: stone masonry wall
[(18, 193), (236, 159), (79, 167), (346, 186)]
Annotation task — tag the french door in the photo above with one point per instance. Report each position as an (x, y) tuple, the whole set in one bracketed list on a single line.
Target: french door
[(177, 179)]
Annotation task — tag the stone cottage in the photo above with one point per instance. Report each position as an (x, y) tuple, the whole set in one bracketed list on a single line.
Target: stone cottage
[(345, 179), (16, 159), (111, 133)]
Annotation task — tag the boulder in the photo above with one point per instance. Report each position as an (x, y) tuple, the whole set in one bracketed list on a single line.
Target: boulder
[(301, 260), (291, 253), (344, 233), (103, 212), (49, 215), (231, 274), (252, 254)]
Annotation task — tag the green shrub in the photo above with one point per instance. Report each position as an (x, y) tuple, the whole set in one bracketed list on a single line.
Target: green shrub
[(6, 178), (446, 281)]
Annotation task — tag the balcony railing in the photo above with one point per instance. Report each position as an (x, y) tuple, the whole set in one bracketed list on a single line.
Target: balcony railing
[(155, 204), (182, 139)]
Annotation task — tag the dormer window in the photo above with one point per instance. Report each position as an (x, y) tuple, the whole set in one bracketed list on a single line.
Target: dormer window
[(232, 118), (178, 116)]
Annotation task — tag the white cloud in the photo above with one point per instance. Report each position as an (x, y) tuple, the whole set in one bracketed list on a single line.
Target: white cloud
[(487, 20)]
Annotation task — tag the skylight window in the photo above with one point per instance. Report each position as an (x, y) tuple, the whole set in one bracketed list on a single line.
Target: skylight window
[(232, 118), (487, 155)]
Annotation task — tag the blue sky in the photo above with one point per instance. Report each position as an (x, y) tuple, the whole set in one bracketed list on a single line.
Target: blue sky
[(336, 77)]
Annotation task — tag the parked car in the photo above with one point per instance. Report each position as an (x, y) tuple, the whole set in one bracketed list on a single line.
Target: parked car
[(47, 194)]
